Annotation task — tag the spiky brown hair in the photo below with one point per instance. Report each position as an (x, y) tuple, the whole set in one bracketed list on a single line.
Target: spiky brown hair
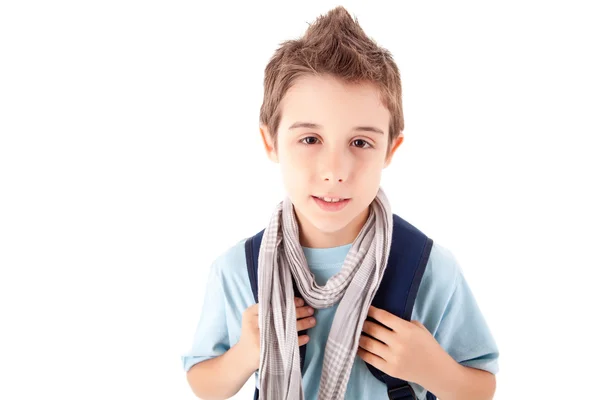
[(334, 45)]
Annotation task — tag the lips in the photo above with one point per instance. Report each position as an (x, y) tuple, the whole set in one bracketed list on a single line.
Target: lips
[(331, 206), (330, 199)]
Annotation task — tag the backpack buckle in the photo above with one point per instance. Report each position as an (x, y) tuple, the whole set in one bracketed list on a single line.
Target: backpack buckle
[(404, 392)]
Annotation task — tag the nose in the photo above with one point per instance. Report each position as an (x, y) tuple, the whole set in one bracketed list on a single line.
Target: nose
[(334, 167)]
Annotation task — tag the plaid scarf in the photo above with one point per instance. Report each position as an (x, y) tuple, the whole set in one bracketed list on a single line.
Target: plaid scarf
[(281, 259)]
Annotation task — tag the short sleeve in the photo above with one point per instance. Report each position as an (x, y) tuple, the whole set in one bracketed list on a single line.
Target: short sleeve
[(211, 337), (448, 309), (463, 331)]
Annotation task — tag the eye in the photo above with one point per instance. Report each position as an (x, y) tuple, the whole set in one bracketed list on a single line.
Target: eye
[(363, 144), (309, 140)]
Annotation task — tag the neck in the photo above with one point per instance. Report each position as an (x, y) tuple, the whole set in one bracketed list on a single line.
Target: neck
[(312, 237)]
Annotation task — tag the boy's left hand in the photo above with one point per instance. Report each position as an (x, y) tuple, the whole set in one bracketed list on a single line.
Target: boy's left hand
[(408, 351)]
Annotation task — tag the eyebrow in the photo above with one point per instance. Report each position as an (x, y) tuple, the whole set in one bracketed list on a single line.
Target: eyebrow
[(311, 125)]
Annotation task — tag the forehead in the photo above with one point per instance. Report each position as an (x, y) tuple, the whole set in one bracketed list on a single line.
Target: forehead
[(332, 103)]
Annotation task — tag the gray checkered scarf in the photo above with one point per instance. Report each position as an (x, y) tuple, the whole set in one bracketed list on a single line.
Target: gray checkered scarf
[(281, 259)]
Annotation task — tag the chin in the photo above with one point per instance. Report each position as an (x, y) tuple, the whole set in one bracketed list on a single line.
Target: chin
[(330, 222), (329, 225), (327, 221)]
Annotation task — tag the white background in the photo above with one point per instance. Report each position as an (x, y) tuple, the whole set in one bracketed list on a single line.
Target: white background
[(130, 158)]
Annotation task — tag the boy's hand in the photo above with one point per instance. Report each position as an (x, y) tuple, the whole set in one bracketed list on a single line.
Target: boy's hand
[(250, 336), (408, 351), (305, 320)]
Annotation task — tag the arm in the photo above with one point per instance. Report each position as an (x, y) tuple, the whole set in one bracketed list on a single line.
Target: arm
[(453, 381), (223, 376), (216, 368), (462, 358), (468, 370), (407, 350)]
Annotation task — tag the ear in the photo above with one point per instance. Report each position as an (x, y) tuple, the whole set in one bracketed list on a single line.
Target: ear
[(395, 146), (268, 143)]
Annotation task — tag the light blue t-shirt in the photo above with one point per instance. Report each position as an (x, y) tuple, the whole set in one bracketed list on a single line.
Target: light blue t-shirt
[(444, 305)]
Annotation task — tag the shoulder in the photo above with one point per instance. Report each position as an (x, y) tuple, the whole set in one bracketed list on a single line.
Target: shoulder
[(449, 310), (230, 270), (439, 281), (231, 257), (442, 271)]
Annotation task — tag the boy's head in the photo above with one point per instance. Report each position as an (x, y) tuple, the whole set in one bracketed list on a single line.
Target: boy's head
[(332, 117)]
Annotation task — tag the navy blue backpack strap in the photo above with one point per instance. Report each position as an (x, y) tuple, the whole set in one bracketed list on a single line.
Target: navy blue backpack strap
[(397, 292), (252, 249)]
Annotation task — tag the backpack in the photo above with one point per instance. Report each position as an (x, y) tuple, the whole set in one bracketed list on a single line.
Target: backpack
[(409, 253)]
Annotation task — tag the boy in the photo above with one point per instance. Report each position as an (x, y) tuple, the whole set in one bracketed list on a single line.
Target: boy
[(332, 118)]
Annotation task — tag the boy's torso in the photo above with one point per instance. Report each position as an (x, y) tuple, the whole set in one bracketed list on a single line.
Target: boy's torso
[(323, 263)]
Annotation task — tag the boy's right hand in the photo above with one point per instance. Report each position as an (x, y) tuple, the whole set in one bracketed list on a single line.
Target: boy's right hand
[(250, 336)]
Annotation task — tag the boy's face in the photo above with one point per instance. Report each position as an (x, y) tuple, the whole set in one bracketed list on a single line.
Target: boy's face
[(341, 155)]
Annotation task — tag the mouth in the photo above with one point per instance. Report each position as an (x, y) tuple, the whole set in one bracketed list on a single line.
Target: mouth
[(331, 199), (331, 203)]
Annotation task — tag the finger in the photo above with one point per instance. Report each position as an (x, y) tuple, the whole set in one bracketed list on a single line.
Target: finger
[(379, 332), (303, 312), (390, 320), (298, 301), (371, 358), (253, 309), (305, 323), (302, 340), (374, 346)]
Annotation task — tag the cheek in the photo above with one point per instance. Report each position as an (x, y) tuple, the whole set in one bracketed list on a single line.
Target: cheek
[(295, 163), (294, 176), (368, 168)]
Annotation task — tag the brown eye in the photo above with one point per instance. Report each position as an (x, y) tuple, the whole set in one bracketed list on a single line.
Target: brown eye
[(363, 144), (309, 140)]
